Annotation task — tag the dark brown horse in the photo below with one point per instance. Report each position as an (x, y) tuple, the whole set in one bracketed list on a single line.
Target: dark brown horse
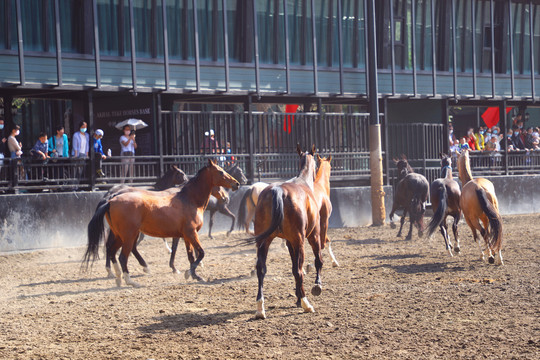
[(410, 196), (157, 214), (480, 207), (289, 210), (445, 195)]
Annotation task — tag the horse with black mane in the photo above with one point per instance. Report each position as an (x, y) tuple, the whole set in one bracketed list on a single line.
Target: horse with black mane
[(410, 196), (290, 211), (445, 196), (158, 214)]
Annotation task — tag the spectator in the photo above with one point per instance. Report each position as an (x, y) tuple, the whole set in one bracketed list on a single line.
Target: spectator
[(128, 145), (3, 143), (479, 141), (81, 142), (463, 144), (58, 144), (529, 138), (516, 138), (98, 150), (493, 144), (40, 151), (454, 144), (471, 140), (211, 145), (488, 135), (14, 146), (510, 140)]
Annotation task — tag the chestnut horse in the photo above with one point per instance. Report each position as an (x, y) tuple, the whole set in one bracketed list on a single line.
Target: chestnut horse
[(289, 210), (173, 177), (445, 196), (248, 204), (410, 196), (479, 204), (178, 214), (321, 190)]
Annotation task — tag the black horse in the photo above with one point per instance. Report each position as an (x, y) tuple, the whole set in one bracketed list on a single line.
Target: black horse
[(410, 196), (445, 195)]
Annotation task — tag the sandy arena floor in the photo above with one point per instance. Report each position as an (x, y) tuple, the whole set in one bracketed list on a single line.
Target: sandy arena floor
[(390, 298)]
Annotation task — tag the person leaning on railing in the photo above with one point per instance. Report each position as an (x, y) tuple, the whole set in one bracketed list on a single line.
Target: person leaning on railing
[(58, 144)]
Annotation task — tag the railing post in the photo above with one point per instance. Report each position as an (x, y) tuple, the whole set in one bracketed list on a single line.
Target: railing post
[(92, 165), (386, 145), (502, 122), (160, 133)]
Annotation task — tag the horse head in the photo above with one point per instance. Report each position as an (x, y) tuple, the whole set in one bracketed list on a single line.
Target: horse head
[(308, 165), (403, 167), (220, 177), (221, 194), (236, 172), (178, 176), (323, 173)]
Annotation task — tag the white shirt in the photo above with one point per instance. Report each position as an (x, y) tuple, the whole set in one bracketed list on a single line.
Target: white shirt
[(129, 147)]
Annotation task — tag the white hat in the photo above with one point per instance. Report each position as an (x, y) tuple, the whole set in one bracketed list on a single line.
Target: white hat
[(211, 132), (206, 133), (99, 132)]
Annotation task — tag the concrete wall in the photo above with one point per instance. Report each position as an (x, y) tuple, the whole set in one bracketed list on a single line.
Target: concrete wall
[(33, 221)]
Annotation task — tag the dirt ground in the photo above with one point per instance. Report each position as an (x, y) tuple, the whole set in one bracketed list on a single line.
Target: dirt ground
[(390, 298)]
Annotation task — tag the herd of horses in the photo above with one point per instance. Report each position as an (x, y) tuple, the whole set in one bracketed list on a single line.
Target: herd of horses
[(295, 210)]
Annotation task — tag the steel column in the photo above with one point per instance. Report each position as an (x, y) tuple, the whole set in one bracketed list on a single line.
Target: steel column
[(97, 56), (196, 46), (531, 43), (225, 44), (511, 39), (57, 32), (132, 47), (287, 49), (492, 30), (22, 79), (314, 43), (256, 51), (165, 45), (340, 42)]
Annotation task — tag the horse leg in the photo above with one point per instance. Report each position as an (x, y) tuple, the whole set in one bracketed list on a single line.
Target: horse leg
[(314, 241), (457, 248), (111, 254), (391, 216), (334, 260), (249, 216), (140, 258), (402, 222), (444, 232), (412, 220), (167, 245), (141, 238), (262, 253), (212, 213), (225, 211), (473, 227), (127, 247), (173, 254), (193, 239), (486, 235), (191, 258), (110, 242), (499, 260)]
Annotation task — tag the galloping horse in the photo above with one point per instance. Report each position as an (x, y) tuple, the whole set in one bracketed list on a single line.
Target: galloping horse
[(173, 177), (445, 195), (289, 210), (248, 204), (479, 203), (157, 214), (410, 196)]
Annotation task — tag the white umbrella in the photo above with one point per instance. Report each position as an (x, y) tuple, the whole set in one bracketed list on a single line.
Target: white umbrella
[(133, 123)]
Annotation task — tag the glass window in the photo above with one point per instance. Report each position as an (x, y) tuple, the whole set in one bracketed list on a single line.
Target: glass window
[(72, 25), (180, 29), (38, 25)]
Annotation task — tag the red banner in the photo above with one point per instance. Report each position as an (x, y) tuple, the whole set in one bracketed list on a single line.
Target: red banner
[(491, 115), (289, 119)]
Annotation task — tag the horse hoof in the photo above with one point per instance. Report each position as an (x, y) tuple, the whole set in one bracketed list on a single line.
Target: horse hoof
[(491, 260), (198, 278), (260, 315), (308, 268), (146, 269), (408, 238), (316, 290), (228, 234), (335, 264), (187, 274), (392, 225), (253, 273), (307, 306), (420, 233), (110, 274), (175, 271), (457, 250), (119, 282)]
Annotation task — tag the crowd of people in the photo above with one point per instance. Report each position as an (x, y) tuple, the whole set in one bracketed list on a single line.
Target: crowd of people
[(492, 140), (58, 146)]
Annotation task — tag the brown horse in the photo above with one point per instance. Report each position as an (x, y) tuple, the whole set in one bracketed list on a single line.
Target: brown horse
[(157, 214), (445, 196), (479, 204), (289, 210)]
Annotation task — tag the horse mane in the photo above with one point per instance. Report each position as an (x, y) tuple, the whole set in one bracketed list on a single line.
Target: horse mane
[(187, 187), (464, 167)]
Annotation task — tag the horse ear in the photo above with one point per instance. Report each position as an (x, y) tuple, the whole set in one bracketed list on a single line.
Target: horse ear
[(312, 152), (175, 167), (403, 157), (299, 149), (211, 162), (395, 160), (329, 158), (319, 158)]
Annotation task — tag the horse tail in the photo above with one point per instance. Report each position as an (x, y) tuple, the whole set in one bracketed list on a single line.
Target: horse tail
[(495, 221), (438, 216), (240, 224), (277, 215), (95, 232)]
